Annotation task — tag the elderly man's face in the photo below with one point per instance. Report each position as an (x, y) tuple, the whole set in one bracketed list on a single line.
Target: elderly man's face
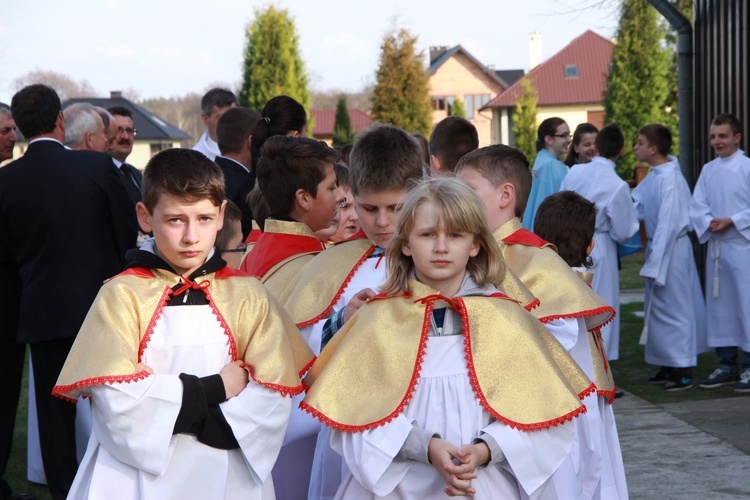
[(7, 137)]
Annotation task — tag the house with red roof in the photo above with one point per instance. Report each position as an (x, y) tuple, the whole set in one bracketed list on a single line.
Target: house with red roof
[(324, 120), (455, 74), (571, 84)]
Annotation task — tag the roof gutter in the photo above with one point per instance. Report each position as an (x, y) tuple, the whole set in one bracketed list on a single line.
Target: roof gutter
[(685, 82)]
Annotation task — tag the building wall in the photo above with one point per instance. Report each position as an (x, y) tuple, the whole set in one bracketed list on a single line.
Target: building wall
[(459, 77), (139, 157), (573, 116)]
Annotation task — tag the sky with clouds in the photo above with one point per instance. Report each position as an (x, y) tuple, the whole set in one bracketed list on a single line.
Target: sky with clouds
[(169, 47)]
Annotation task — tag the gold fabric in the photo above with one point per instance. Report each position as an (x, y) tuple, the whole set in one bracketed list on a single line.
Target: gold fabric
[(561, 293), (316, 288), (287, 227), (119, 324), (277, 280), (367, 373)]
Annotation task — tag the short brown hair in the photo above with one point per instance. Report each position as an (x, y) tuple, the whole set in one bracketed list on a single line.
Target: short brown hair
[(500, 164), (460, 210), (184, 173), (290, 163), (659, 136), (342, 176), (452, 138), (610, 141), (726, 119), (567, 220), (235, 125), (384, 158), (228, 231)]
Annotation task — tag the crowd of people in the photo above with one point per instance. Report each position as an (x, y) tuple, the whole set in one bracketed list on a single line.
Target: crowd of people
[(263, 316)]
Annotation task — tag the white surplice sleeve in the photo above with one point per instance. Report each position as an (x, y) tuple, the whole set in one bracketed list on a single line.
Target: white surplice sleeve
[(741, 219), (370, 454), (533, 457), (565, 331), (134, 421), (668, 227), (258, 417), (622, 214), (700, 211)]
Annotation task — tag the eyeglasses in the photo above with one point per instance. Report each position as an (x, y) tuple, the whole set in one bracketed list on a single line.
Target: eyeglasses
[(241, 249), (128, 131), (342, 202), (563, 136)]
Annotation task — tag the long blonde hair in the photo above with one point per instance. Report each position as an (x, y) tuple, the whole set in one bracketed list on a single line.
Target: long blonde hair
[(460, 210)]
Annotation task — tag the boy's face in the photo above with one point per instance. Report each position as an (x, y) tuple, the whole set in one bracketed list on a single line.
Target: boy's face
[(377, 212), (348, 220), (491, 196), (724, 141), (323, 208), (643, 150), (184, 232)]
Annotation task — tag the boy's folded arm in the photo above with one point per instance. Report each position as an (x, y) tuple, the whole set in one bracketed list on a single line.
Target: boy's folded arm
[(200, 414)]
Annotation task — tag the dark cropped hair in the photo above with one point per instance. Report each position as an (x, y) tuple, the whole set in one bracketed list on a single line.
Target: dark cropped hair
[(344, 154), (218, 97), (424, 146), (610, 141), (384, 158), (567, 220), (547, 127), (280, 116), (583, 128), (183, 173), (120, 110), (228, 231), (722, 119), (235, 125), (35, 109), (500, 164), (258, 207), (659, 136), (288, 164), (452, 138), (342, 176)]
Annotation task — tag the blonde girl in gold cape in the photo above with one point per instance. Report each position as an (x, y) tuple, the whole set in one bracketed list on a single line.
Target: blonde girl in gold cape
[(441, 384)]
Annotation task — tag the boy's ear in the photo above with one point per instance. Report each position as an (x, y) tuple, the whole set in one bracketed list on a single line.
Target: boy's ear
[(302, 200), (590, 248), (248, 142), (436, 166), (221, 215), (144, 217), (507, 195)]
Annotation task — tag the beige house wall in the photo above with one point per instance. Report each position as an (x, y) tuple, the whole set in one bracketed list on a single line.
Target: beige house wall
[(459, 76), (573, 115)]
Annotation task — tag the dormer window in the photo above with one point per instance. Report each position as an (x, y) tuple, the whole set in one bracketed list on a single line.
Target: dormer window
[(571, 71)]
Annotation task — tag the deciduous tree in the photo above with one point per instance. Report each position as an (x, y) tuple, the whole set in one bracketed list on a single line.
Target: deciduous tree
[(524, 120)]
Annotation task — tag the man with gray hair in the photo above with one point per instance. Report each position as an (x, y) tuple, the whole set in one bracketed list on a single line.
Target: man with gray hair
[(7, 133), (213, 105), (84, 128)]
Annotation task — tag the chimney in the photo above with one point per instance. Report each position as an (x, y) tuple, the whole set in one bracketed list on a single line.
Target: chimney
[(115, 94), (535, 50), (437, 51)]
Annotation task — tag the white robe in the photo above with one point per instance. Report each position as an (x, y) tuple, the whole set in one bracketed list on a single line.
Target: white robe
[(207, 146), (306, 444), (531, 457), (594, 468), (723, 190), (675, 310), (132, 453), (616, 221)]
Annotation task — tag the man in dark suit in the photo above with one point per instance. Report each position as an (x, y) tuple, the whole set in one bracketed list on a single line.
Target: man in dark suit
[(66, 221), (234, 131), (120, 149)]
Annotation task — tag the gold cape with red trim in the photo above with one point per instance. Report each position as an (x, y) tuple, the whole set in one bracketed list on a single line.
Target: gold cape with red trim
[(367, 374), (118, 326), (562, 294)]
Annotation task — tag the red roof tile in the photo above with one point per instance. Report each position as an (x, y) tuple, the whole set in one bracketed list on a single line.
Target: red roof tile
[(325, 119), (592, 54)]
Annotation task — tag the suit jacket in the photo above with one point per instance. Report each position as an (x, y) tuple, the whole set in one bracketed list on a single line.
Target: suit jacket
[(238, 183), (66, 220), (134, 192)]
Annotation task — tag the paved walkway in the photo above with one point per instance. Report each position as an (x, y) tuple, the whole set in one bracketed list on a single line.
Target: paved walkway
[(693, 450)]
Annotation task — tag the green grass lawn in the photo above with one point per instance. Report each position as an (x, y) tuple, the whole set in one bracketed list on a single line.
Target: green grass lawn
[(630, 371)]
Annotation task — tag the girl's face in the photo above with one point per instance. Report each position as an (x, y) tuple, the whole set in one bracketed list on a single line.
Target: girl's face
[(586, 149), (558, 143), (440, 256)]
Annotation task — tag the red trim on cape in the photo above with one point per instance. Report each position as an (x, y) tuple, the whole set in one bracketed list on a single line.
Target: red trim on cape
[(305, 369), (525, 237), (357, 236), (228, 272), (60, 391), (253, 236), (583, 314), (281, 389), (138, 271), (533, 305), (224, 325), (608, 395), (152, 323), (405, 401), (327, 311), (273, 248)]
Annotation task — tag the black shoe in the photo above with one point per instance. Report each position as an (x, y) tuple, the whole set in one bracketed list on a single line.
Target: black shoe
[(718, 378), (663, 376), (682, 380), (619, 394)]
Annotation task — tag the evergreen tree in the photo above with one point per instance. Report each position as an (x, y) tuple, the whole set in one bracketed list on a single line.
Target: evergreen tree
[(671, 105), (401, 94), (272, 61), (524, 120), (342, 125), (458, 108), (638, 83)]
